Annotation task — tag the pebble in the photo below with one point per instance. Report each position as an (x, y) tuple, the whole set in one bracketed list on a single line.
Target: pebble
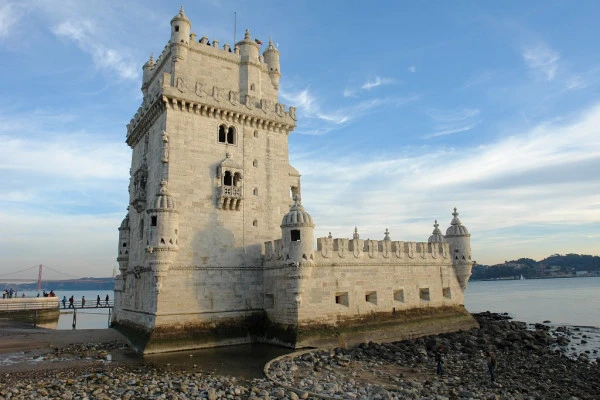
[(533, 363)]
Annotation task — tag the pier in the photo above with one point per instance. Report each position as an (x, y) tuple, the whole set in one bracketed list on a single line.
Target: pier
[(45, 311)]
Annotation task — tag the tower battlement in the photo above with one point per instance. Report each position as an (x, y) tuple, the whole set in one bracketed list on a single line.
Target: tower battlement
[(375, 252)]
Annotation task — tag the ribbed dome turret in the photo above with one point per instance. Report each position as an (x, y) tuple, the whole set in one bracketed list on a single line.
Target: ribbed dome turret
[(125, 223), (150, 63), (180, 16), (297, 216), (164, 201), (456, 228), (437, 236)]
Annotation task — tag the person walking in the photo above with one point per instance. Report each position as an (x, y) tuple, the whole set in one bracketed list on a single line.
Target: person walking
[(64, 301), (71, 301), (491, 363), (107, 300), (98, 301), (440, 361), (82, 301)]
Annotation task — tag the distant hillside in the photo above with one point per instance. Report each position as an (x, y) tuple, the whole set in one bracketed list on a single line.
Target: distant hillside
[(71, 284), (555, 266)]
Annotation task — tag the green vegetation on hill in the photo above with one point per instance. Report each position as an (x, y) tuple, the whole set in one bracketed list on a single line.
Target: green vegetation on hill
[(554, 266)]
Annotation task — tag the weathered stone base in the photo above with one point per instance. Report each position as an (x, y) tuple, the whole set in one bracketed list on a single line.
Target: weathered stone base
[(378, 327), (387, 327), (223, 332)]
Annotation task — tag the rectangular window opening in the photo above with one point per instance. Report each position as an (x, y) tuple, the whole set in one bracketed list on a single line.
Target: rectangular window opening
[(342, 298), (153, 220), (447, 293), (424, 294), (371, 297), (399, 295), (295, 233)]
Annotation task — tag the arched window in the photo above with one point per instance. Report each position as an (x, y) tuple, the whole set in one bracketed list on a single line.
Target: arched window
[(252, 87), (255, 163), (255, 192), (231, 135), (255, 223), (222, 135), (227, 179), (255, 134)]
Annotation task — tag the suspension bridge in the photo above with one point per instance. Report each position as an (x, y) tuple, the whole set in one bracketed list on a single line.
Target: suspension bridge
[(34, 274)]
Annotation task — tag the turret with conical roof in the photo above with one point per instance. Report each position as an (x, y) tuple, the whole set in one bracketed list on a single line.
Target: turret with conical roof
[(162, 241), (459, 240), (436, 236), (180, 36), (297, 230), (271, 56), (123, 250)]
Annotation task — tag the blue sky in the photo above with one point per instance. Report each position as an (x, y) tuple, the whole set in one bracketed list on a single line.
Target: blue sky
[(406, 110)]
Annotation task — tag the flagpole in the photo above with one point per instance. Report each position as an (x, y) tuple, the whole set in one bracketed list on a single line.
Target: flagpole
[(234, 26)]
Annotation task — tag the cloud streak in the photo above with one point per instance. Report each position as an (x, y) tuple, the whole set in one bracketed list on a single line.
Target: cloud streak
[(542, 60), (392, 190), (84, 34)]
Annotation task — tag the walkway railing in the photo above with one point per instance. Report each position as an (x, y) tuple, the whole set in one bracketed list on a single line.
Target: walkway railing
[(88, 304), (37, 303)]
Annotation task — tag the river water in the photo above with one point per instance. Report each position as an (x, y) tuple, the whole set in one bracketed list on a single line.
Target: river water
[(568, 301), (572, 301)]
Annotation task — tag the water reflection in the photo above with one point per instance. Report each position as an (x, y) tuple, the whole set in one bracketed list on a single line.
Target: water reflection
[(243, 361)]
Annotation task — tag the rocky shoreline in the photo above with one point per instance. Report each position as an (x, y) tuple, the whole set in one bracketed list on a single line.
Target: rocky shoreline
[(535, 362)]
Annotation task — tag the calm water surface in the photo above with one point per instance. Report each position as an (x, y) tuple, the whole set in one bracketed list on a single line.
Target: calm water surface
[(572, 301)]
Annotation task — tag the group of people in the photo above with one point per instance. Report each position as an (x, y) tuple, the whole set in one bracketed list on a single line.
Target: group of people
[(490, 359), (9, 294), (47, 294), (72, 301)]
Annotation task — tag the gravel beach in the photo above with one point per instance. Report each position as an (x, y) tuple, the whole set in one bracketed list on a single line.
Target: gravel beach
[(534, 362)]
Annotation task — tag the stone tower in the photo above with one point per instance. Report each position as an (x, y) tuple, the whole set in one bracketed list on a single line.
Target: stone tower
[(459, 240), (211, 129)]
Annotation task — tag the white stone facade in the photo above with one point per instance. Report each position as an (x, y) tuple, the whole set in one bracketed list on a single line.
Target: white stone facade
[(210, 252)]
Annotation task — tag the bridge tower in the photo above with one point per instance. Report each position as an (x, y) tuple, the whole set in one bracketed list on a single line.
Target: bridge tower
[(39, 281)]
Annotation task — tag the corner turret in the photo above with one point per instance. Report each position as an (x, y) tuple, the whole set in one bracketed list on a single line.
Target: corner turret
[(436, 236), (297, 232), (162, 234), (180, 35), (123, 250), (180, 28), (147, 74), (271, 56), (250, 67), (459, 240)]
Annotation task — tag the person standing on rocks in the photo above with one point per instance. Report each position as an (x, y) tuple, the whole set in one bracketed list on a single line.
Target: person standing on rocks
[(491, 363), (440, 361)]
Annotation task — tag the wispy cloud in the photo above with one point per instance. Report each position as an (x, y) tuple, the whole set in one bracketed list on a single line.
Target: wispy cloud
[(84, 33), (542, 60), (517, 182), (412, 69), (318, 121), (9, 17), (377, 81), (311, 107), (448, 122)]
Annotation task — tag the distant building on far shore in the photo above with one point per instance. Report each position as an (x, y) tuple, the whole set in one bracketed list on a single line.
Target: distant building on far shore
[(217, 247)]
